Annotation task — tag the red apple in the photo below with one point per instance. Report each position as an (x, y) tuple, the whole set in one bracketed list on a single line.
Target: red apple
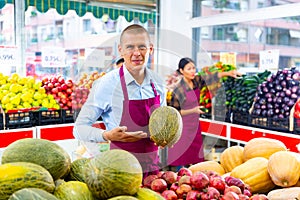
[(182, 190), (57, 84), (169, 195), (50, 85), (184, 180), (193, 195), (69, 91), (64, 87), (174, 186), (170, 177), (259, 197), (54, 91), (230, 196), (233, 188), (211, 193), (44, 80), (61, 80), (217, 182), (184, 171), (199, 180), (69, 83), (148, 180), (159, 185)]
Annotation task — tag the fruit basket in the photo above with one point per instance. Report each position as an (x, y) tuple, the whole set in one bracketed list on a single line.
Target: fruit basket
[(258, 121), (18, 119), (241, 118), (48, 117), (67, 116)]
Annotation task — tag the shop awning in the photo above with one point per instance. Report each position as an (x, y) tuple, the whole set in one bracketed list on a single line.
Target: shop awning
[(81, 8)]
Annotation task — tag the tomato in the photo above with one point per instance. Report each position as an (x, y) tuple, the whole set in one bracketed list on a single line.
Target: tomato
[(297, 114), (297, 106)]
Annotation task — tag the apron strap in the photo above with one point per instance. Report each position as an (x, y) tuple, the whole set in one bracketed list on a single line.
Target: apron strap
[(153, 87), (123, 84)]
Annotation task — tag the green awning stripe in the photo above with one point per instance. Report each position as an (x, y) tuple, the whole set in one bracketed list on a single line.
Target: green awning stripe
[(62, 7)]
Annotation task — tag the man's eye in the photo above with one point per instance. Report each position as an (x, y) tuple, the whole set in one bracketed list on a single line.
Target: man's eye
[(130, 47)]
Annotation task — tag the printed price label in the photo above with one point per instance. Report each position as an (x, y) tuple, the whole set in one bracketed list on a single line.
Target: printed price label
[(269, 59), (53, 57), (8, 56)]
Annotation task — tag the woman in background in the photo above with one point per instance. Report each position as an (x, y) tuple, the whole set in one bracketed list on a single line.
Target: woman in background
[(185, 98)]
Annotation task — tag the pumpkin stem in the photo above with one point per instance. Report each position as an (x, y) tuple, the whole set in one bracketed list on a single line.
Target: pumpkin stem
[(285, 183)]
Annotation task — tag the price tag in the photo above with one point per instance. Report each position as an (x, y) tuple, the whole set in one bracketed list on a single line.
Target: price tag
[(269, 59), (8, 56), (203, 60), (228, 58), (94, 58), (53, 57)]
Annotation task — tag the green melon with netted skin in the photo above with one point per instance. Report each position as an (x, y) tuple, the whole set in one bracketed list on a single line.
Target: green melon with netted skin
[(18, 175), (123, 197), (77, 170), (73, 190), (43, 152), (113, 173), (32, 194), (165, 126)]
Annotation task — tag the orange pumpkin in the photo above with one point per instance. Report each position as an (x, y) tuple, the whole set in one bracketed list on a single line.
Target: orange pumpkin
[(208, 166), (284, 168), (232, 157), (254, 172), (262, 147)]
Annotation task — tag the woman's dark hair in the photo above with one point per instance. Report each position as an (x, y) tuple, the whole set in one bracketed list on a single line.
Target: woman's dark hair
[(183, 62)]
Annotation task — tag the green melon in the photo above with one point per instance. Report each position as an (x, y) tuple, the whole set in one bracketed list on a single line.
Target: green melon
[(32, 194), (165, 126), (39, 151), (123, 197), (146, 194), (77, 170), (113, 173), (73, 190), (19, 175)]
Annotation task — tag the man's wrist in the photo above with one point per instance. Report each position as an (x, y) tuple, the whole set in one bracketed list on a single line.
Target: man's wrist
[(105, 136)]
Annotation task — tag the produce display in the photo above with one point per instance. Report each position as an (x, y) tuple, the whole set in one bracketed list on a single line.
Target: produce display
[(165, 126), (17, 93), (252, 172), (277, 95)]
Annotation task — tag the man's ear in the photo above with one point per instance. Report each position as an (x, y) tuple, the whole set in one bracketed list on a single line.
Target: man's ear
[(120, 50), (151, 49)]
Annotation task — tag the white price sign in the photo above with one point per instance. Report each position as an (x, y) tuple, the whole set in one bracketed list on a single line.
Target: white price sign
[(203, 60), (94, 58), (269, 59), (8, 56), (53, 57)]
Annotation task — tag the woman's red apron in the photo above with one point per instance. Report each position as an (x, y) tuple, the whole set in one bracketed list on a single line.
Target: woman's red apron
[(189, 149), (135, 116)]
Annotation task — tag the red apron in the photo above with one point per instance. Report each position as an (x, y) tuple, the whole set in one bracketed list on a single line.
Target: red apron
[(188, 150), (135, 116)]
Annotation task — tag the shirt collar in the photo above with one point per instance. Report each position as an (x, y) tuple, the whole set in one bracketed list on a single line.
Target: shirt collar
[(129, 78)]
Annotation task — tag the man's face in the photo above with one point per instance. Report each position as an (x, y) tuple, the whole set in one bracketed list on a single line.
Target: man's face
[(135, 49)]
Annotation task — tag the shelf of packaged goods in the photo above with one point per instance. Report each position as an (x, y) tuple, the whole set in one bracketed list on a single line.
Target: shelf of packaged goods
[(9, 136)]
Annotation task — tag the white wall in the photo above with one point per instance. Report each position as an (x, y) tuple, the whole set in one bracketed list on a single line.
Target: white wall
[(174, 34)]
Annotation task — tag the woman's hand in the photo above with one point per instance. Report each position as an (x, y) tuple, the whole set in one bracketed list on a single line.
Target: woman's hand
[(232, 73), (119, 134), (198, 110)]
